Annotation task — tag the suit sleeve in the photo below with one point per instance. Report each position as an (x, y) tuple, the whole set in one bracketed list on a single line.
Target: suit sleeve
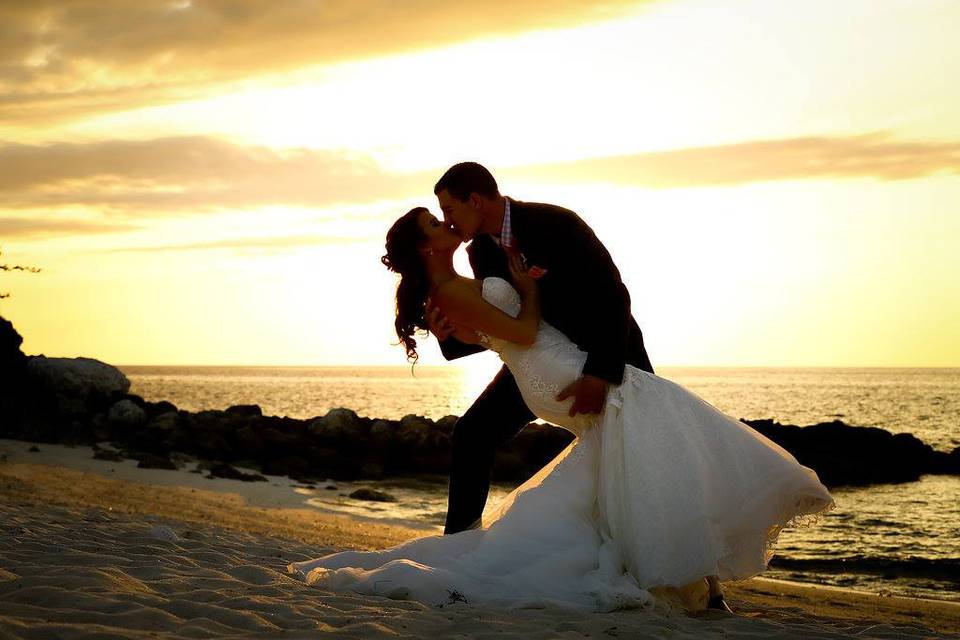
[(599, 286), (451, 348)]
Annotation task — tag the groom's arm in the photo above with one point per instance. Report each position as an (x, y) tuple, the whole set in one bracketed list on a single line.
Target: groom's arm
[(602, 290), (451, 348)]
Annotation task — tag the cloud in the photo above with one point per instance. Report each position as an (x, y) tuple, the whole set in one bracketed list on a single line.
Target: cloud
[(43, 227), (255, 242), (64, 59), (194, 175), (873, 155)]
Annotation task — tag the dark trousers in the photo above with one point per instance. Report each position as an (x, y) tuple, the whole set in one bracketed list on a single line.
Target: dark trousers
[(495, 417)]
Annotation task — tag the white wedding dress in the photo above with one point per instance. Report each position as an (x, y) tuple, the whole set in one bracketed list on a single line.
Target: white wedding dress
[(659, 490)]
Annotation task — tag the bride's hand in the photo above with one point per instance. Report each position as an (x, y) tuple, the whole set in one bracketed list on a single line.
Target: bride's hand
[(521, 281), (437, 322)]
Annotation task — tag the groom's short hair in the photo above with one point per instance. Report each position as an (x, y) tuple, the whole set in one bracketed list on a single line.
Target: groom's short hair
[(465, 178)]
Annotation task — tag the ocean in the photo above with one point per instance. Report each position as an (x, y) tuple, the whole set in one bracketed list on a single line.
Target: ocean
[(902, 538)]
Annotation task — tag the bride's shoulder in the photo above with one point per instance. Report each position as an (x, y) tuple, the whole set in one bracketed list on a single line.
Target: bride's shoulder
[(457, 289)]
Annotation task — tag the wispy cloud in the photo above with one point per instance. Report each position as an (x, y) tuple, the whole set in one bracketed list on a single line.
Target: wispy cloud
[(63, 59), (194, 175), (21, 228), (875, 155), (265, 243)]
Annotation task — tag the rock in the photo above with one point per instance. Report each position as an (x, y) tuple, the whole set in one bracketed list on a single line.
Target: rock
[(135, 399), (151, 461), (381, 430), (221, 470), (125, 414), (251, 410), (280, 442), (446, 423), (76, 384), (372, 495), (34, 449), (155, 409), (338, 423), (12, 360), (846, 455), (414, 432), (248, 440), (165, 422)]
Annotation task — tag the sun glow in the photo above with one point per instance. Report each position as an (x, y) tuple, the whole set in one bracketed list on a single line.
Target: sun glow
[(196, 250)]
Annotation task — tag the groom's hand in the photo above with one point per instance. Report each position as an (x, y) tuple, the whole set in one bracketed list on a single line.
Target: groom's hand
[(589, 393)]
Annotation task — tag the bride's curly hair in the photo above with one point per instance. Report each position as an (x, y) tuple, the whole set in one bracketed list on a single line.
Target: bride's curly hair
[(403, 256)]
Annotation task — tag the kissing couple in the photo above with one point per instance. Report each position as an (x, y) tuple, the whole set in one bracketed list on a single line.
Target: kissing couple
[(659, 489)]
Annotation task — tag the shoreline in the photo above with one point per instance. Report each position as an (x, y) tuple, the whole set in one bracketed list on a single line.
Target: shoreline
[(234, 506)]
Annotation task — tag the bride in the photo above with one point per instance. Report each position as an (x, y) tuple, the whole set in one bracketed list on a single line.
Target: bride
[(659, 490)]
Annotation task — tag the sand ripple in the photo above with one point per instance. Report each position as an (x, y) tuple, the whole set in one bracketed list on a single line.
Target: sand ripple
[(75, 573)]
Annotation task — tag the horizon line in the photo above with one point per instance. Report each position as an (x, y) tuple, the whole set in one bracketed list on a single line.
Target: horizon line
[(452, 364)]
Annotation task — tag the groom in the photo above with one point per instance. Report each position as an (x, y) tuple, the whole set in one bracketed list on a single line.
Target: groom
[(581, 294)]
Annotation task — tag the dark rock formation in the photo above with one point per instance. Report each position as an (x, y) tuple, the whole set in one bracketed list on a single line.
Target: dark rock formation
[(372, 495), (846, 455), (220, 470), (12, 359), (84, 401)]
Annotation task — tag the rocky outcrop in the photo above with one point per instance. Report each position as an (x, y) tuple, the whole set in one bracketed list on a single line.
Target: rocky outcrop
[(76, 385), (846, 455), (85, 401), (12, 359), (372, 495)]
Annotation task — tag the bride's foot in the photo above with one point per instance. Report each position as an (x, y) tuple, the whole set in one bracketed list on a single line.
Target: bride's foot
[(716, 600)]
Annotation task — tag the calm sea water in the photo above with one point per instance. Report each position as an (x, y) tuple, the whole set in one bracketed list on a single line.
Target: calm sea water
[(899, 538)]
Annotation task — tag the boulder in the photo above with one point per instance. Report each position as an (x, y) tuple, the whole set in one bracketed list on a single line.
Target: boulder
[(372, 495), (126, 414), (76, 385), (842, 454), (12, 360), (382, 433), (338, 423), (248, 410), (154, 409), (221, 470), (248, 440), (165, 421)]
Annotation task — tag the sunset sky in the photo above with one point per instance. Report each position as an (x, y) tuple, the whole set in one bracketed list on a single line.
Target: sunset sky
[(210, 181)]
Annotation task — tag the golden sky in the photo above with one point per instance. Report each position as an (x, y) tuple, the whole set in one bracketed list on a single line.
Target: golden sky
[(210, 181)]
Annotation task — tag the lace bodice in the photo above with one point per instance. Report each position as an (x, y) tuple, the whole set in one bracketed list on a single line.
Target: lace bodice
[(502, 295), (543, 369)]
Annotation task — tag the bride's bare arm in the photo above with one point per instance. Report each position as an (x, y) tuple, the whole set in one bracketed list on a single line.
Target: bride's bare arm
[(467, 309)]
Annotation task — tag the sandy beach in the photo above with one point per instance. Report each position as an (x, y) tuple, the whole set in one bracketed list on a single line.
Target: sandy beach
[(93, 548)]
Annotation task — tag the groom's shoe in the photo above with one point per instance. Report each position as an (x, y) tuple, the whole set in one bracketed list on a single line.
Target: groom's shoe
[(718, 603)]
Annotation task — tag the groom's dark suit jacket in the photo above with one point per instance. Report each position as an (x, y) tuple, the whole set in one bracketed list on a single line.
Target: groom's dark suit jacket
[(581, 293)]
